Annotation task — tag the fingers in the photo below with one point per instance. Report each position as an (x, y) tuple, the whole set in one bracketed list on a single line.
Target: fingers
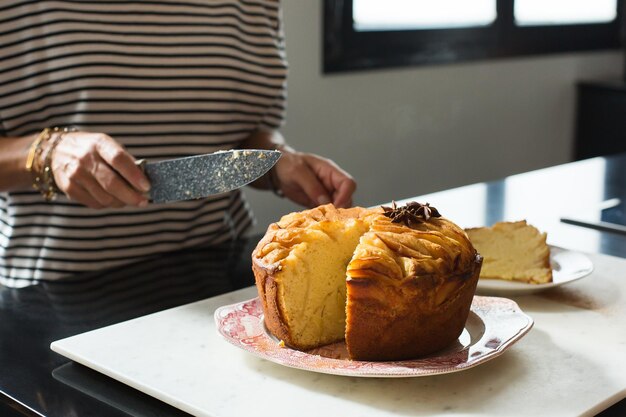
[(300, 183), (105, 181), (80, 194), (337, 182), (88, 168), (314, 189), (343, 195), (122, 162), (310, 180), (343, 185)]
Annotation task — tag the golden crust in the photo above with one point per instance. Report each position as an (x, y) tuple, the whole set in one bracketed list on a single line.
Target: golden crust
[(283, 235), (409, 289), (408, 320), (275, 321), (401, 252)]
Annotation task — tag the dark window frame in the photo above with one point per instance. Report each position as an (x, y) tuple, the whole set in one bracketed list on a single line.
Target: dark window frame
[(345, 49)]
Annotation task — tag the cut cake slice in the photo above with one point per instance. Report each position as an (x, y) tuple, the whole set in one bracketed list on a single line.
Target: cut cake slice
[(514, 251)]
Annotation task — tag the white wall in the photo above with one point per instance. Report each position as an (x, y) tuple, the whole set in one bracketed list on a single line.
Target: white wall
[(411, 131)]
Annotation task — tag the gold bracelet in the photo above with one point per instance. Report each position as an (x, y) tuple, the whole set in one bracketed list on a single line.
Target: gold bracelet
[(51, 188), (43, 180), (35, 148)]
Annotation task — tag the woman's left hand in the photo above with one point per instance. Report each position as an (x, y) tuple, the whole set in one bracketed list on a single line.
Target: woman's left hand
[(311, 180)]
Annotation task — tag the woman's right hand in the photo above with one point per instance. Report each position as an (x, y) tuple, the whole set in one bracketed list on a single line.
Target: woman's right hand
[(95, 170)]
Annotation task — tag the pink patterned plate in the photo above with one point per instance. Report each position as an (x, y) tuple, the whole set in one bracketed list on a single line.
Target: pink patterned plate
[(493, 325)]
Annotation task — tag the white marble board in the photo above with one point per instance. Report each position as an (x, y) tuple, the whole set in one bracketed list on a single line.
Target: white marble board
[(572, 363)]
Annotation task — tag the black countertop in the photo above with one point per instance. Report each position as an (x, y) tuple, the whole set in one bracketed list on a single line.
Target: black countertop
[(36, 381)]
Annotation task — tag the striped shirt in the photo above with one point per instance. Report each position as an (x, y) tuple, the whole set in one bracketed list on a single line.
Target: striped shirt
[(166, 79)]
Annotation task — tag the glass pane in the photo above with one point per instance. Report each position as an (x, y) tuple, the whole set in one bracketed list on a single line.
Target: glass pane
[(370, 15), (560, 12)]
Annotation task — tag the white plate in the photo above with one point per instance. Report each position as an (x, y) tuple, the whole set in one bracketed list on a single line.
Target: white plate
[(567, 266), (493, 325)]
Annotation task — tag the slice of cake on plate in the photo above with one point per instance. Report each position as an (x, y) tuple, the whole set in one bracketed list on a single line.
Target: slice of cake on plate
[(514, 251)]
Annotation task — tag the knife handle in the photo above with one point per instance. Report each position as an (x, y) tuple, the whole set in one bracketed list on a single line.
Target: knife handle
[(141, 163)]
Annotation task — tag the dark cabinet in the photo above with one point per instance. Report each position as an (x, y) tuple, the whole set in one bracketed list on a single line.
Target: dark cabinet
[(600, 119)]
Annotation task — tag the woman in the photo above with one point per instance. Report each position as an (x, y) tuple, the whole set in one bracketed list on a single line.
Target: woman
[(122, 81)]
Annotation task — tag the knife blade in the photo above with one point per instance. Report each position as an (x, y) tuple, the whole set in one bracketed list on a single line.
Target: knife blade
[(204, 175)]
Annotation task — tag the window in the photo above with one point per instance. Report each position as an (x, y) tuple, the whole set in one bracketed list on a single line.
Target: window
[(421, 14), (564, 12), (364, 34)]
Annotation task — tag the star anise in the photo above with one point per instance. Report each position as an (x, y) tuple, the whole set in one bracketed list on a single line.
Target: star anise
[(412, 213)]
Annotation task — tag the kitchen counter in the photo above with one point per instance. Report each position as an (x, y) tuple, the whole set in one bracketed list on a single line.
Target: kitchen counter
[(36, 381)]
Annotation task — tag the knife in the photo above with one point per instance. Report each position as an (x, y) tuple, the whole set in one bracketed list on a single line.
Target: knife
[(204, 175)]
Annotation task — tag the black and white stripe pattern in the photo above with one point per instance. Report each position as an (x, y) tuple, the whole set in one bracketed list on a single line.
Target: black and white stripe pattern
[(165, 78)]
